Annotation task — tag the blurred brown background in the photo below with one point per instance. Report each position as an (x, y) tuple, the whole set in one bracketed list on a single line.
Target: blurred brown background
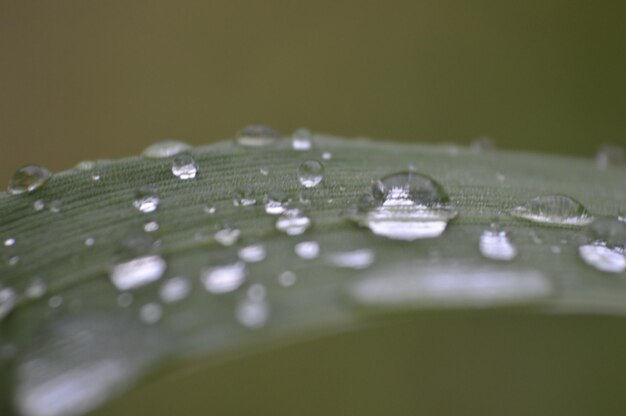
[(86, 79)]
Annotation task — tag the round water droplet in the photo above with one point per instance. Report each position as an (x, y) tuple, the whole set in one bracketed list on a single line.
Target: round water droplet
[(210, 209), (301, 140), (146, 199), (356, 259), (245, 196), (327, 156), (495, 244), (86, 165), (13, 260), (55, 206), (252, 313), (293, 222), (165, 148), (39, 205), (55, 301), (307, 250), (264, 170), (553, 209), (125, 299), (287, 278), (227, 235), (256, 135), (36, 288), (223, 279), (405, 206), (151, 226), (184, 167), (606, 250), (28, 179), (151, 313), (610, 155), (8, 298), (253, 253), (275, 203), (175, 289), (137, 272), (310, 173), (9, 242)]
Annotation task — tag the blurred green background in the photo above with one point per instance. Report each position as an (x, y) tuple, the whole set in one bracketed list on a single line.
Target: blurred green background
[(86, 80)]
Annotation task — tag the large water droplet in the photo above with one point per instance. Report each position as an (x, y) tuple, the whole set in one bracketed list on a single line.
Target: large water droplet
[(223, 279), (275, 203), (184, 167), (606, 250), (405, 206), (307, 250), (137, 272), (28, 179), (356, 259), (8, 298), (553, 209), (293, 222), (146, 199), (256, 135), (165, 148), (310, 173), (301, 140), (495, 244), (253, 253), (175, 289)]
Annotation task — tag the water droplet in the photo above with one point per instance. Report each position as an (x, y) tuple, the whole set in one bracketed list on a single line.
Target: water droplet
[(165, 148), (310, 173), (95, 177), (151, 313), (275, 203), (252, 313), (39, 205), (151, 226), (450, 287), (405, 206), (301, 140), (146, 199), (55, 301), (36, 288), (137, 272), (482, 144), (307, 250), (253, 253), (210, 209), (500, 177), (125, 299), (553, 209), (86, 165), (175, 289), (13, 260), (610, 155), (495, 244), (256, 135), (8, 298), (184, 167), (28, 179), (227, 235), (55, 206), (293, 222), (223, 279), (264, 170), (606, 250), (245, 196), (287, 278), (327, 156), (9, 242), (356, 259)]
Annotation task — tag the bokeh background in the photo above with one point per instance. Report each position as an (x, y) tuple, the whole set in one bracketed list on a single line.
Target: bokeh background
[(87, 80)]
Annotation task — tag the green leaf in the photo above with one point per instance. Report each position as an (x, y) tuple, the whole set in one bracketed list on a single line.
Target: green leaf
[(83, 333)]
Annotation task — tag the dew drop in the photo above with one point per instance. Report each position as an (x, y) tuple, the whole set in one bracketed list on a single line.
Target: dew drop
[(36, 288), (327, 156), (137, 272), (151, 226), (13, 260), (253, 253), (223, 279), (307, 250), (256, 135), (275, 203), (184, 167), (287, 278), (39, 205), (252, 313), (8, 299), (227, 235), (55, 301), (165, 148), (245, 196), (264, 170), (28, 179), (293, 222), (55, 206), (482, 144), (210, 209), (146, 199), (495, 244), (610, 155), (310, 173), (151, 313), (175, 289), (553, 209), (86, 165), (9, 242), (301, 140), (405, 206), (124, 300), (356, 259), (606, 249), (95, 177)]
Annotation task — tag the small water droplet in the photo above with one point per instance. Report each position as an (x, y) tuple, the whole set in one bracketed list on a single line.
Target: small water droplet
[(223, 279), (90, 241), (495, 244), (175, 289), (184, 167), (307, 250), (606, 250), (9, 242), (327, 156), (55, 301), (55, 206), (151, 226), (146, 199), (165, 148), (245, 196), (36, 288), (151, 313), (28, 179), (8, 298), (610, 155), (39, 205), (86, 165), (500, 177), (264, 170), (210, 209), (287, 278), (405, 206), (553, 209), (293, 222), (137, 272), (13, 260), (301, 140), (256, 135), (310, 173), (125, 299), (356, 259), (275, 203), (227, 235), (555, 249), (482, 144), (252, 313), (253, 253), (95, 177)]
